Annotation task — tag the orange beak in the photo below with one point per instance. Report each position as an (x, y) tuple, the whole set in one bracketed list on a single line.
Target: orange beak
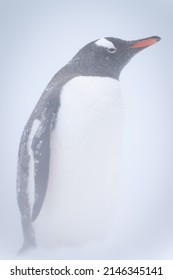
[(145, 43)]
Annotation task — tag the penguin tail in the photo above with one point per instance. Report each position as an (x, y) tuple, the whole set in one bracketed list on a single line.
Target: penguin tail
[(27, 246), (29, 241)]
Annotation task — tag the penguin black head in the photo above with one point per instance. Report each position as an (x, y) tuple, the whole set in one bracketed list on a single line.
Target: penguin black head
[(106, 57)]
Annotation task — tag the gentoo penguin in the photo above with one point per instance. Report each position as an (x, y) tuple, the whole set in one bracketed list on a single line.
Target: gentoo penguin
[(70, 150)]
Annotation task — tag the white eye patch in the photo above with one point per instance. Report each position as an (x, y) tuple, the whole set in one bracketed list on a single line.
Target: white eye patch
[(105, 44)]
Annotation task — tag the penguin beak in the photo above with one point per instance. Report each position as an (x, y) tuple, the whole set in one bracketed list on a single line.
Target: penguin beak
[(144, 43)]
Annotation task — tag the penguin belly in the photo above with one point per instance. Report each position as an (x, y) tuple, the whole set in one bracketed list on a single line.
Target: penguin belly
[(84, 164)]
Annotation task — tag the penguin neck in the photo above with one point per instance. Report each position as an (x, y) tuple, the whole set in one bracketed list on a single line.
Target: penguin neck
[(76, 68), (72, 70)]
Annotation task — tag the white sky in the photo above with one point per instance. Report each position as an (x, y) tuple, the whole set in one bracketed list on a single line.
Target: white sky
[(37, 39)]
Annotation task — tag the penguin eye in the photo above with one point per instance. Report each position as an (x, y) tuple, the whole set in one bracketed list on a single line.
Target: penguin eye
[(112, 50)]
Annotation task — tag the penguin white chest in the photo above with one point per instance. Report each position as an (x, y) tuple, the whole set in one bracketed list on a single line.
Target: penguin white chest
[(84, 164)]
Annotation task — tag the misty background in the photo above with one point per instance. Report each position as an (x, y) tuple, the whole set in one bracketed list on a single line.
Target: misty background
[(37, 39)]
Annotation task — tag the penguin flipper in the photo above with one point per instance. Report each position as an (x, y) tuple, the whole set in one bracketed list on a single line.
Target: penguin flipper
[(35, 147), (41, 152)]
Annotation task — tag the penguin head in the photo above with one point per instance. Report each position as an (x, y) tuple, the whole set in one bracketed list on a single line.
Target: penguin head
[(106, 57)]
